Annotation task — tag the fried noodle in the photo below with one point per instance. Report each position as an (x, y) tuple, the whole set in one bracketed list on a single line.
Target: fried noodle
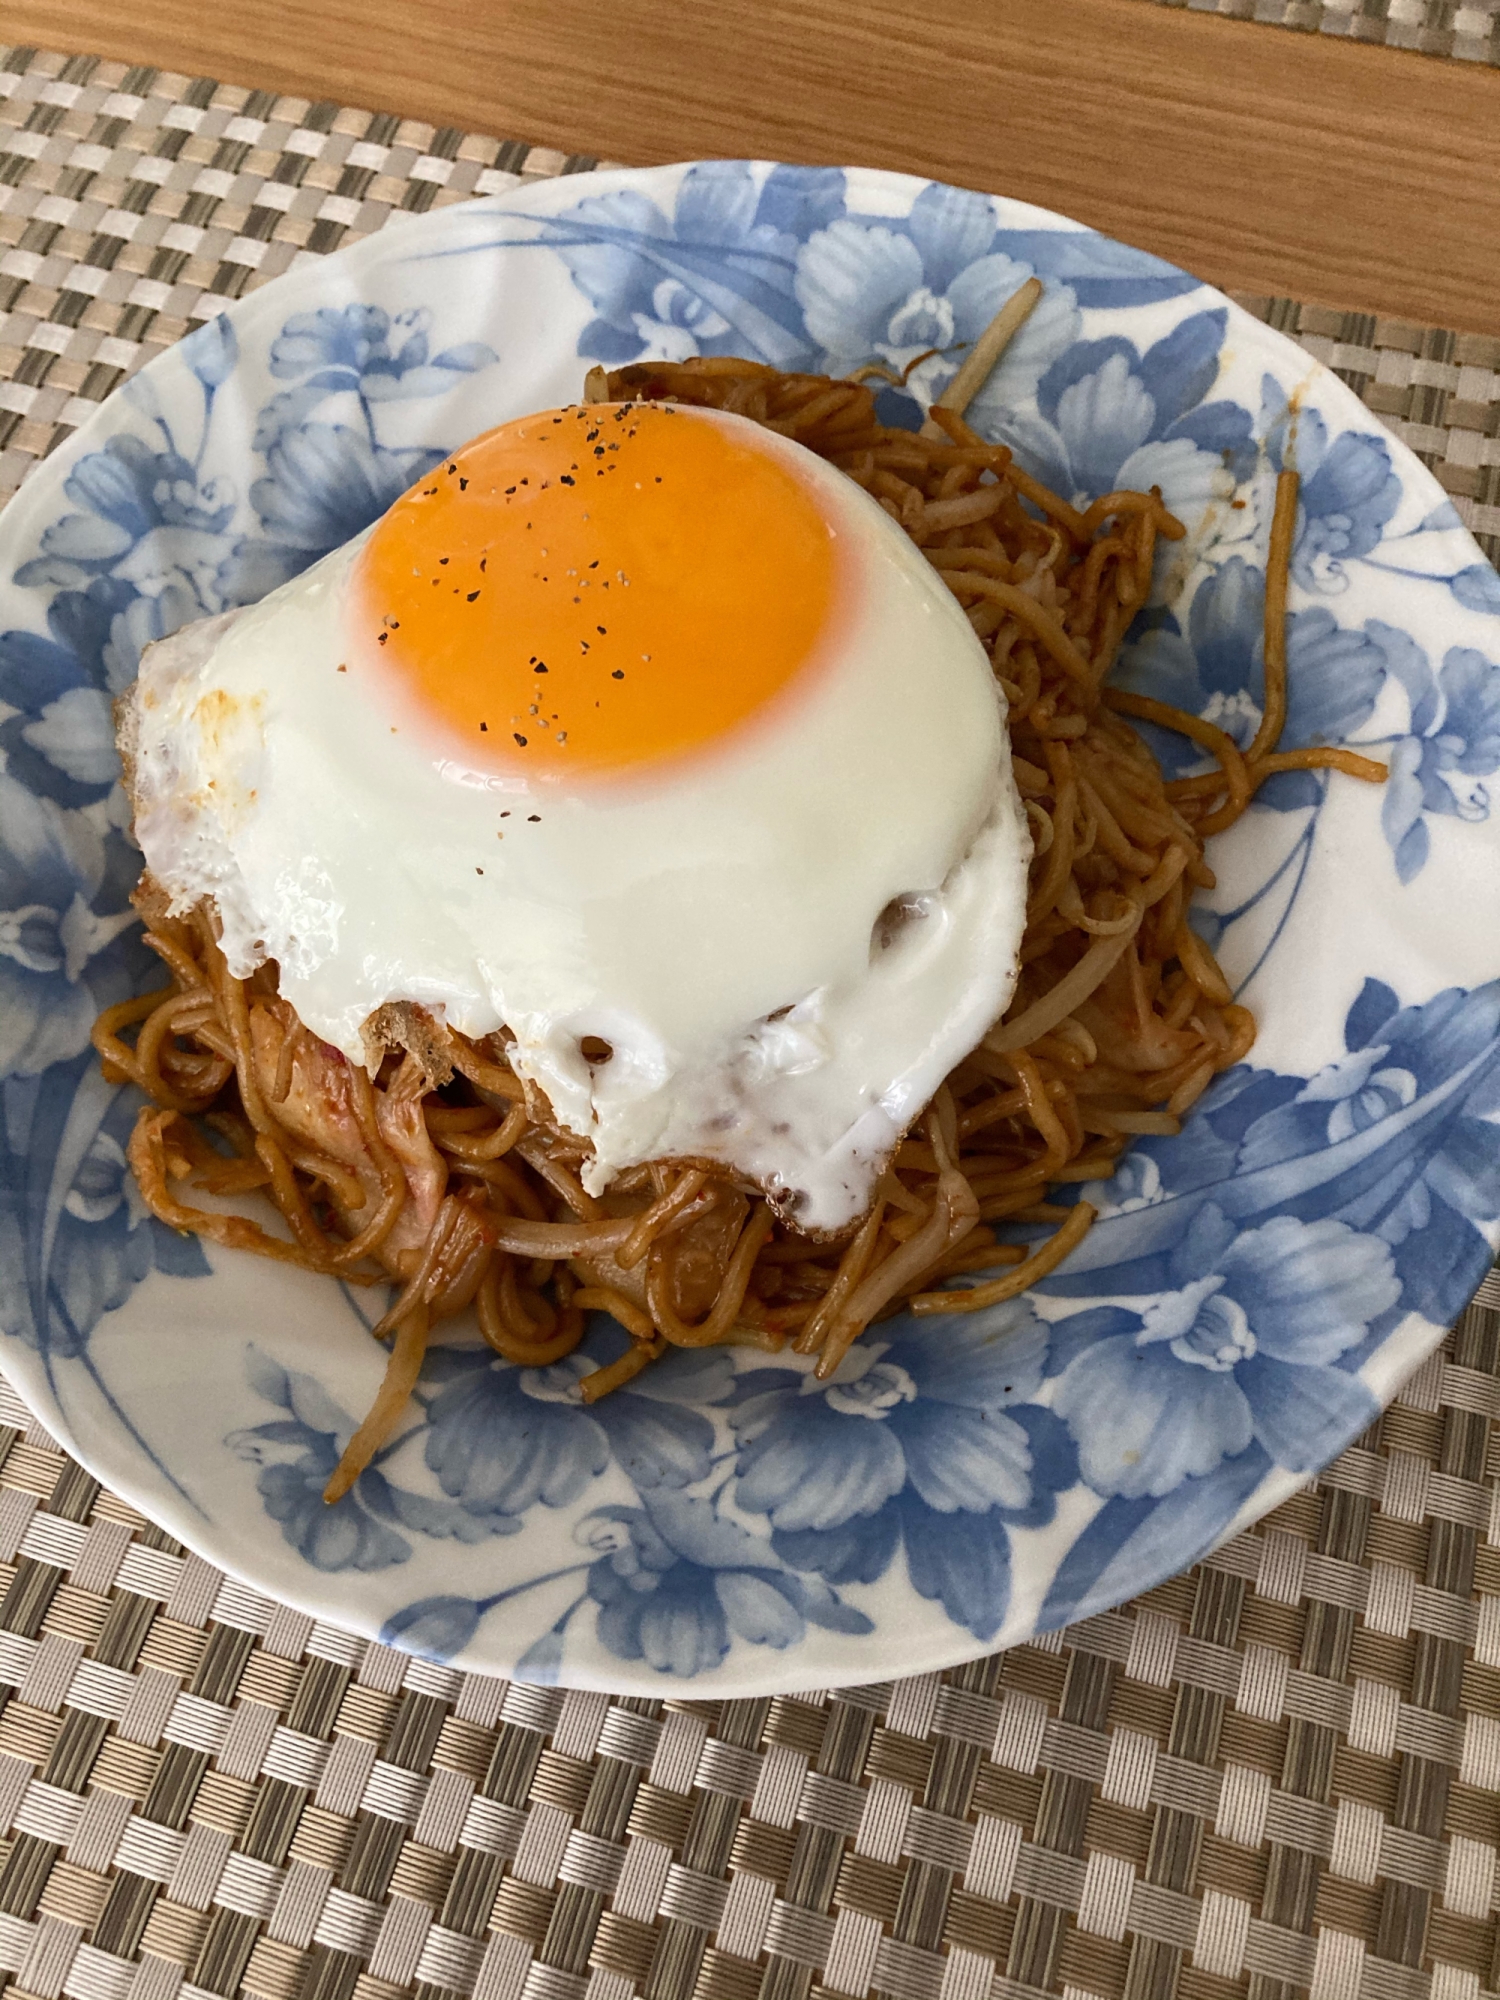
[(461, 1188)]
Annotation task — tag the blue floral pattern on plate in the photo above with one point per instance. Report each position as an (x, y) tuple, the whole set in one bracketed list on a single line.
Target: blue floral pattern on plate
[(1254, 1287)]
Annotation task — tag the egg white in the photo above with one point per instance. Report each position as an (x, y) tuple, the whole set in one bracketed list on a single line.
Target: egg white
[(716, 921)]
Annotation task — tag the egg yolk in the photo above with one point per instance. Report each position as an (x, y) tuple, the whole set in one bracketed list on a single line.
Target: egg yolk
[(591, 591)]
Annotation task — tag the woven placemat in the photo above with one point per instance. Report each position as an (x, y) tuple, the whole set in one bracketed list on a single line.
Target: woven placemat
[(1274, 1776), (1468, 30)]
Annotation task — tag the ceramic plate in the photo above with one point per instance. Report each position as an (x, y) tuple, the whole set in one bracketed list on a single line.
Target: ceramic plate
[(1255, 1288)]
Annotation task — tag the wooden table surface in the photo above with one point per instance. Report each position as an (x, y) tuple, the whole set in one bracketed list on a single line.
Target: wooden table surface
[(1264, 160)]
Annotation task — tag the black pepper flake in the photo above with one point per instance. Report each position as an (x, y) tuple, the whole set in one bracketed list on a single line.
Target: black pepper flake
[(484, 563), (483, 728), (443, 561), (453, 468), (618, 674), (519, 738), (566, 479), (478, 871), (600, 629), (533, 819), (473, 594), (381, 637), (463, 485), (540, 667), (505, 815)]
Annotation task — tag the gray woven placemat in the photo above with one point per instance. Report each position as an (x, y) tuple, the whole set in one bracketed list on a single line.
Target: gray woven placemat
[(1274, 1776), (1467, 30)]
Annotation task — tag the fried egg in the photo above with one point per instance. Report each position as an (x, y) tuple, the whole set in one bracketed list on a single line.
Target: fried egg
[(645, 735)]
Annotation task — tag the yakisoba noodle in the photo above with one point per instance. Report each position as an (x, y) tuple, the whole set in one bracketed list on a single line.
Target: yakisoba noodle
[(447, 1172)]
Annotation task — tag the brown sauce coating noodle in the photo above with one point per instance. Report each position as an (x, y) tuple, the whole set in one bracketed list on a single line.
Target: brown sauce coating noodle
[(469, 1193)]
